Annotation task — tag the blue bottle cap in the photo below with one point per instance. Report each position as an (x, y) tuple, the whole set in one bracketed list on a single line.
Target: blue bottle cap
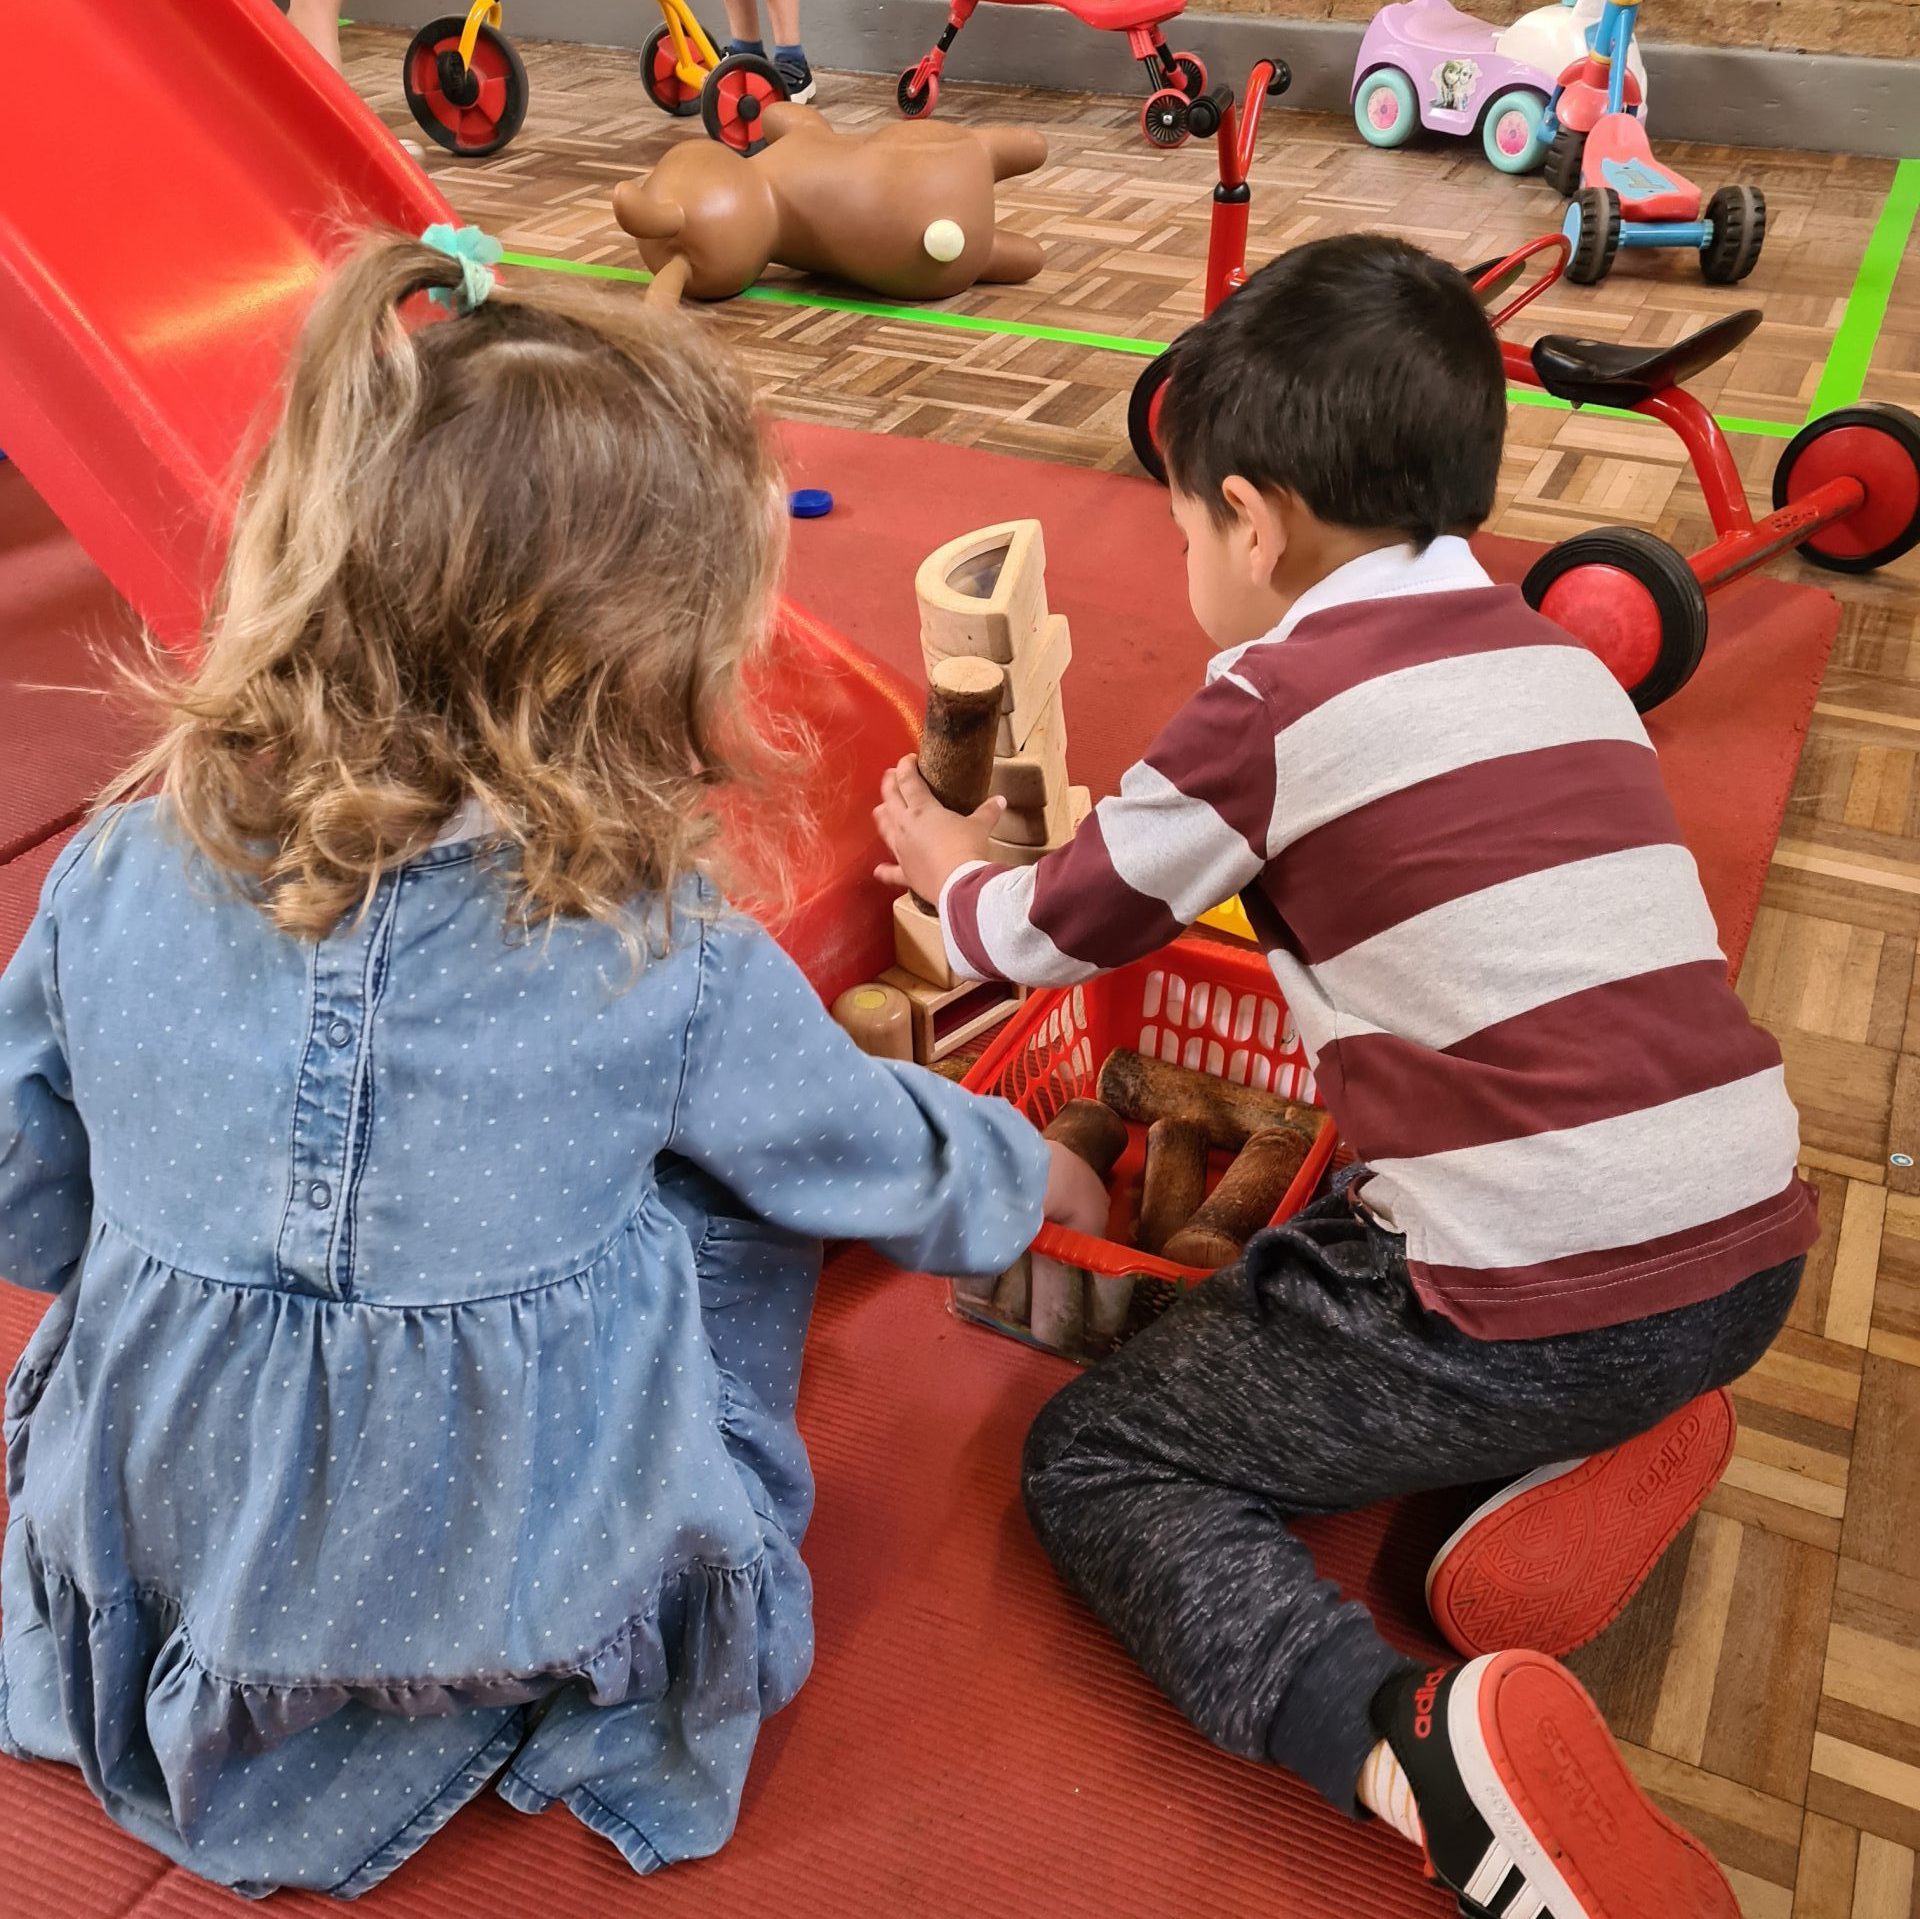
[(810, 503)]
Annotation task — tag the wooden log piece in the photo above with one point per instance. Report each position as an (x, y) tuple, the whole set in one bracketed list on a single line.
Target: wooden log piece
[(963, 718), (1243, 1202), (1144, 1090), (1058, 1309), (962, 728), (1109, 1300), (878, 1018), (1091, 1132), (1013, 1292), (1175, 1181)]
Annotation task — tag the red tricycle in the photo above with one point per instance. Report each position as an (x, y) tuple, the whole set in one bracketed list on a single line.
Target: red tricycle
[(1846, 489), (1174, 80)]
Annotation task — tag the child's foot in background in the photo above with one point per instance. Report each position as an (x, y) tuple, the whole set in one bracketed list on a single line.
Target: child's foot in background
[(792, 62), (1552, 1559), (1524, 1805)]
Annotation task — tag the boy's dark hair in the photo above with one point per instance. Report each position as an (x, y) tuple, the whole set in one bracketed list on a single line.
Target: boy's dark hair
[(1356, 372)]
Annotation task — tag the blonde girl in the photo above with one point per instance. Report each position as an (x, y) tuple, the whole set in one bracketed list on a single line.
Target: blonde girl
[(428, 1169)]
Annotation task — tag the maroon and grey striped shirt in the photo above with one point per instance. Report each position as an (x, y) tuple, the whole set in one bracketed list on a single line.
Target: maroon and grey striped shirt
[(1450, 826)]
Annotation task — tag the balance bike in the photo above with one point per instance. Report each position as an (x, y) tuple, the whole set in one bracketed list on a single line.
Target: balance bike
[(1622, 196), (1846, 489), (466, 86), (1846, 492), (1174, 80)]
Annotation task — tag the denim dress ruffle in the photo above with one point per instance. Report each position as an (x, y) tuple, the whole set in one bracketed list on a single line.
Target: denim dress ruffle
[(416, 1400)]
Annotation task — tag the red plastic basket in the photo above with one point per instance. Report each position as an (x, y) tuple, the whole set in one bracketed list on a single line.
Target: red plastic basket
[(1199, 1003)]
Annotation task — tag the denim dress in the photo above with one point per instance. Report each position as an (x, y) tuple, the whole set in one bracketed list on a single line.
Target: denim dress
[(415, 1403)]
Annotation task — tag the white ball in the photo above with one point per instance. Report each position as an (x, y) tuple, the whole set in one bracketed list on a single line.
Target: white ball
[(944, 241)]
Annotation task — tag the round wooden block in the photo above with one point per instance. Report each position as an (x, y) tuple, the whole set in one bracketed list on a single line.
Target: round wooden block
[(878, 1018)]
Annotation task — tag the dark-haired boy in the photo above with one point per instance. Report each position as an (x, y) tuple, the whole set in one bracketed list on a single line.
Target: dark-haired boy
[(1579, 1215)]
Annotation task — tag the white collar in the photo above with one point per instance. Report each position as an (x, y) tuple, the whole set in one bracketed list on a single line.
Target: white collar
[(472, 822), (1445, 565)]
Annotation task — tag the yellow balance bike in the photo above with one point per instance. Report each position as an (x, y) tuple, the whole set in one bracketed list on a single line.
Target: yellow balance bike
[(466, 85)]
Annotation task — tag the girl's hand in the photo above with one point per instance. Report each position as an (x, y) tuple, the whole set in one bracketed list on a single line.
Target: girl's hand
[(929, 844), (1075, 1199)]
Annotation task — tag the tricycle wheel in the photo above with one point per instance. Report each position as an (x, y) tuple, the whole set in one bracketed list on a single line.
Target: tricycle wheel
[(738, 91), (913, 96), (1192, 71), (1877, 445), (1633, 600), (1593, 229), (660, 75), (1510, 133), (1564, 158), (1163, 119), (470, 110), (1143, 415), (1737, 217), (1384, 108)]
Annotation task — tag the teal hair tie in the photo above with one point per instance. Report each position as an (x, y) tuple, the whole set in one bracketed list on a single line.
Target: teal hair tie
[(477, 252)]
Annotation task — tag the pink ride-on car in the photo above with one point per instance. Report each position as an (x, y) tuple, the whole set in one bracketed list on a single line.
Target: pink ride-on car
[(1423, 63)]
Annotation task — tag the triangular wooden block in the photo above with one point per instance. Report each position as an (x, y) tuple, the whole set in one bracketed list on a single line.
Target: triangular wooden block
[(984, 593)]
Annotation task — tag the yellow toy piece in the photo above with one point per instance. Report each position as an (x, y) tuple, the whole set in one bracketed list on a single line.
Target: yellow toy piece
[(1231, 917)]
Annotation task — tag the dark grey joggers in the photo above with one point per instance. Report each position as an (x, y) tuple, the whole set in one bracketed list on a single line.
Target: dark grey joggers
[(1308, 1379)]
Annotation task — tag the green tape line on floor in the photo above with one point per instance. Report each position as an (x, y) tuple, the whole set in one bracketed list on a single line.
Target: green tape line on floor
[(874, 309), (1026, 330), (1845, 376)]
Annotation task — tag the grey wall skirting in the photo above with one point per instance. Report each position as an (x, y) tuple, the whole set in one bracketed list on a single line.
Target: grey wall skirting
[(1742, 96)]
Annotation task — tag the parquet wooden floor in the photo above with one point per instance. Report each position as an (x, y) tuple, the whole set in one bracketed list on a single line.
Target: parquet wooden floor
[(1767, 1681)]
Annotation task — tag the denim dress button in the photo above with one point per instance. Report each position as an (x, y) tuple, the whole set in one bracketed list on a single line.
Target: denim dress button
[(339, 1032), (319, 1193)]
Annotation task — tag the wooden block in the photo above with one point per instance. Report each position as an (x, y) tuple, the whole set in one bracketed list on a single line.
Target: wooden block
[(1037, 773), (1030, 826), (1009, 853), (1079, 806), (879, 1019), (1033, 686), (947, 1018), (919, 945), (984, 593)]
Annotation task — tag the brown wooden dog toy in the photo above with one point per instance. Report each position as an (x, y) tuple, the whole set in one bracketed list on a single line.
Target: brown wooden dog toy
[(905, 211)]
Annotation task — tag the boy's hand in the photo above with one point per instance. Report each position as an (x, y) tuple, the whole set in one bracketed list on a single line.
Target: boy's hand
[(1076, 1198), (929, 844)]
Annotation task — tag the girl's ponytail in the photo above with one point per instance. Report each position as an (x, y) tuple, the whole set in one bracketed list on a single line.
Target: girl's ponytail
[(516, 551)]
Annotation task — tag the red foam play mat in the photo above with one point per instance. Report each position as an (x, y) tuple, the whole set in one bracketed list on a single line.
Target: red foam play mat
[(971, 1742)]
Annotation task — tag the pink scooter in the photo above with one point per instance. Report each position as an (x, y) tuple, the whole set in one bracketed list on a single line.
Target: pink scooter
[(1174, 80)]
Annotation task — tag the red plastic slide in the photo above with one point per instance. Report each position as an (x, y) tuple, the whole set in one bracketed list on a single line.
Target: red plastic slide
[(176, 173), (174, 177)]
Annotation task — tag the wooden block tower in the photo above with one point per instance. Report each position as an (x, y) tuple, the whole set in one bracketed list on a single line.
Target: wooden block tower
[(984, 596), (994, 656)]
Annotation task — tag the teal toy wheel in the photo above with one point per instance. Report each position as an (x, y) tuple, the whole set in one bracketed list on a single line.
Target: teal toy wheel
[(1737, 217), (1511, 130), (1384, 108), (1564, 158), (1592, 228)]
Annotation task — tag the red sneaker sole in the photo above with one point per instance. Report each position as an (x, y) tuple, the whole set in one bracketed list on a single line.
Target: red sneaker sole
[(1549, 1565), (1548, 1778)]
